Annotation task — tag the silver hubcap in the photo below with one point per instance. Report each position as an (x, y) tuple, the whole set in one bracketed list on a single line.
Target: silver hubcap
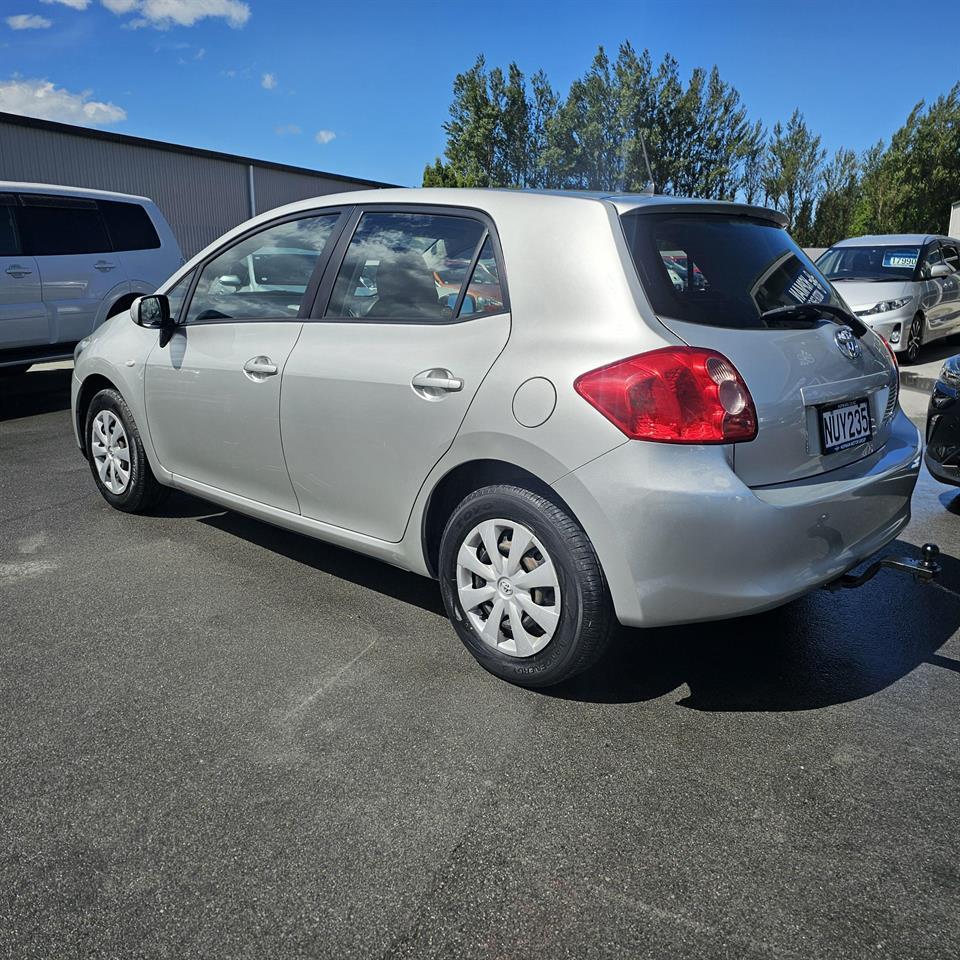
[(111, 451), (508, 587)]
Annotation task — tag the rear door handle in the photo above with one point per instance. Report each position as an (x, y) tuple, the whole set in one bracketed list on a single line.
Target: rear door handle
[(439, 380), (103, 266), (259, 368), (15, 270)]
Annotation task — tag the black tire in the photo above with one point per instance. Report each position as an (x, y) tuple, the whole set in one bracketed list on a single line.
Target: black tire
[(911, 353), (143, 493), (586, 620), (18, 371)]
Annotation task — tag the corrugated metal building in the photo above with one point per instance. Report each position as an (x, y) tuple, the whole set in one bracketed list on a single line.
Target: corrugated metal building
[(202, 193)]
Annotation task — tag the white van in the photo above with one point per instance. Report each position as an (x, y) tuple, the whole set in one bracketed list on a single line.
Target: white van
[(70, 258)]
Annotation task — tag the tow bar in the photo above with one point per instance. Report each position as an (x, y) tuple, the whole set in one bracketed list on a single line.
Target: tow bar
[(923, 570)]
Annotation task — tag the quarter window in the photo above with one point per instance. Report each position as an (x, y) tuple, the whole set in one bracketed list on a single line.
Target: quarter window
[(405, 267), (58, 226), (263, 277), (129, 225), (484, 293), (177, 294)]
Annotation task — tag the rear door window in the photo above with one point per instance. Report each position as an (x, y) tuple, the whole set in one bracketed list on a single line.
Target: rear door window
[(129, 226), (407, 267), (721, 270), (9, 244), (57, 226)]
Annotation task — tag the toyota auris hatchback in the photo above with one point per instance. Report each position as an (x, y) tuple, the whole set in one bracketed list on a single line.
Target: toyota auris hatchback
[(906, 287), (70, 258), (571, 410)]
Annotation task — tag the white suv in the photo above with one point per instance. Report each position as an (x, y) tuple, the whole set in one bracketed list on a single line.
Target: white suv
[(70, 258)]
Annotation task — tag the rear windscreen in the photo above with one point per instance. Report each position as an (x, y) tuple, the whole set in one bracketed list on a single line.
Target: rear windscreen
[(720, 270)]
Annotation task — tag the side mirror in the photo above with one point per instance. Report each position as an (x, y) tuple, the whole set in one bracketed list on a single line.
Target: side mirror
[(940, 270), (230, 281), (154, 311)]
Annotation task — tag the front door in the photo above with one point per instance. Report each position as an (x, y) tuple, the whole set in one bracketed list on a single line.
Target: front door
[(376, 388), (213, 392), (23, 318)]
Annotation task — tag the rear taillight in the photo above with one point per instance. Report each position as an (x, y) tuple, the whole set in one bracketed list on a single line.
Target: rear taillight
[(673, 395), (890, 350)]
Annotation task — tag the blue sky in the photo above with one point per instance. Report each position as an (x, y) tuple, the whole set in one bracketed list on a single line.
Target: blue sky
[(362, 87)]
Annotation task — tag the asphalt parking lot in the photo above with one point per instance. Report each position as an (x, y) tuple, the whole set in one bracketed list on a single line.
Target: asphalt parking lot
[(225, 740)]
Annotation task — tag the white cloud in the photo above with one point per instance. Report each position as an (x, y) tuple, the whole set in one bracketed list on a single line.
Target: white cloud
[(40, 98), (28, 21), (287, 128), (325, 136), (164, 14), (268, 81), (74, 4)]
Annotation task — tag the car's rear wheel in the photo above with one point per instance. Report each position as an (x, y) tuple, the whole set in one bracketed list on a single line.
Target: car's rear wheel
[(523, 587), (914, 340), (117, 458)]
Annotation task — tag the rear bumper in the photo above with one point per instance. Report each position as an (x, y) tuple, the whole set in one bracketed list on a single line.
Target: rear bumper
[(682, 539)]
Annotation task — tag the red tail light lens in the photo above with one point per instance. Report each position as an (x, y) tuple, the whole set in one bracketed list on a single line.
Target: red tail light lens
[(673, 395), (890, 350)]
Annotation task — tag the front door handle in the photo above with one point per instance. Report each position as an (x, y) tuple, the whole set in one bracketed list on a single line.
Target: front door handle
[(259, 368), (103, 266), (437, 381), (16, 271)]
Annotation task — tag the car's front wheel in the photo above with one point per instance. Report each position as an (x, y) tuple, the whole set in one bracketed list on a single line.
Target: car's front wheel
[(117, 458), (523, 587), (914, 340)]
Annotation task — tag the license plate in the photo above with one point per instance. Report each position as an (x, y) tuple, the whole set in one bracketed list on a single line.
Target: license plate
[(844, 425)]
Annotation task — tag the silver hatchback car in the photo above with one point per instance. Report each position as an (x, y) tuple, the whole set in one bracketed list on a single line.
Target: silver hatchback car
[(570, 409)]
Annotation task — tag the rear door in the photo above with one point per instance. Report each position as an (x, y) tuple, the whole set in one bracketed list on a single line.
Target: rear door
[(78, 268), (23, 318), (381, 378), (803, 375)]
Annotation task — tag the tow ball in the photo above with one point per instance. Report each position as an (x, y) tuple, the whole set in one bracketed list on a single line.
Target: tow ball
[(924, 570)]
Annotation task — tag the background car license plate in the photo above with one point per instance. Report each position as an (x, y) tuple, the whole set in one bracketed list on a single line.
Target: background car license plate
[(844, 425)]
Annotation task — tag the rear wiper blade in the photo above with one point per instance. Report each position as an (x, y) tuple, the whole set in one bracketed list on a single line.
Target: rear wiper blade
[(807, 312)]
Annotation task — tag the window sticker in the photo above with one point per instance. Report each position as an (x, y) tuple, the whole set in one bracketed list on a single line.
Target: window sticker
[(900, 259)]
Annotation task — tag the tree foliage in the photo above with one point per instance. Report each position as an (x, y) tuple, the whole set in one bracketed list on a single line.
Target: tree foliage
[(508, 130)]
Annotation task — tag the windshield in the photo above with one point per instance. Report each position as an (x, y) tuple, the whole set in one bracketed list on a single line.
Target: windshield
[(869, 263), (721, 270)]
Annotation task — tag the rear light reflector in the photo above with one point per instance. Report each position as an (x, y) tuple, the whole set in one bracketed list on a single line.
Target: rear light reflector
[(673, 395), (890, 350)]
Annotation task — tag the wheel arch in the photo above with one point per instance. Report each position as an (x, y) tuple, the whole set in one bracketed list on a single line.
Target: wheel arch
[(90, 387), (464, 479)]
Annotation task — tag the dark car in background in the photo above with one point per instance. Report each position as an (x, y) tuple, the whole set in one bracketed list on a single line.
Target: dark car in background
[(942, 453)]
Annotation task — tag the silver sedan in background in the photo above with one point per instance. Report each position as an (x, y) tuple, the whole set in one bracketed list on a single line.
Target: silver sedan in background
[(569, 409)]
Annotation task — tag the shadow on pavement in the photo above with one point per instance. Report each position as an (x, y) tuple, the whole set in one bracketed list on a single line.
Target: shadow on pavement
[(40, 391), (822, 649), (819, 650), (353, 567)]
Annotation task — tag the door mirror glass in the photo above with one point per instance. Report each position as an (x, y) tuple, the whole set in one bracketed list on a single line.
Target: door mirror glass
[(152, 311)]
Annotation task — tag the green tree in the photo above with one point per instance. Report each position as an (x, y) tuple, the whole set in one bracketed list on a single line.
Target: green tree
[(840, 194), (792, 174)]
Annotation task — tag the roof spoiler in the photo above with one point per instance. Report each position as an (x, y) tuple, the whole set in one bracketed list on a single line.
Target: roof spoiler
[(723, 207)]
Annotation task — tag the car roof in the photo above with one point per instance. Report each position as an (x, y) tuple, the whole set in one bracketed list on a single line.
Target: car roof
[(891, 239), (56, 190), (496, 197)]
